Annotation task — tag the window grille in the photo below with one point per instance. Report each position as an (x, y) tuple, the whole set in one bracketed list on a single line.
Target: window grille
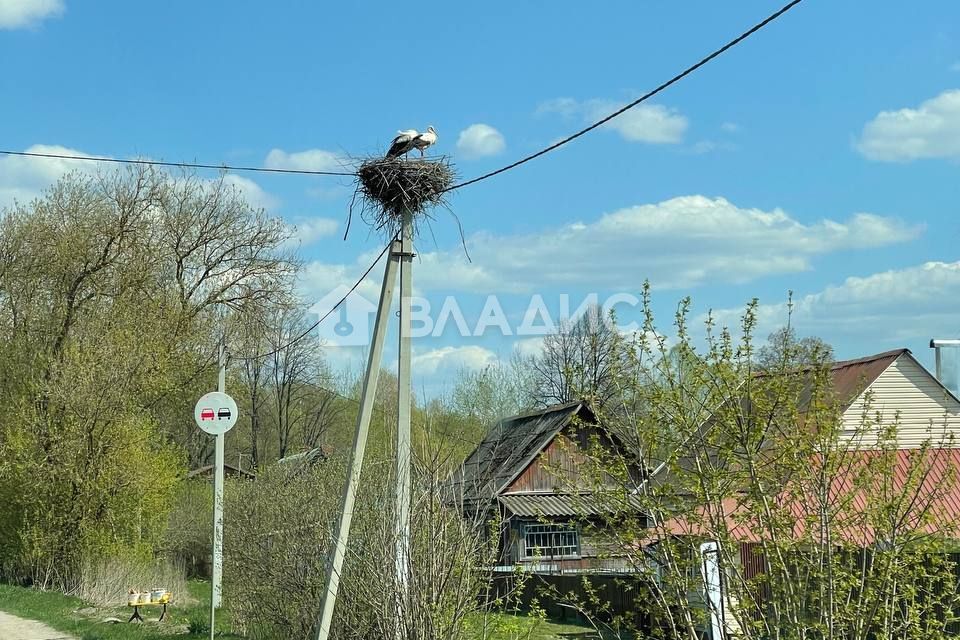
[(551, 541)]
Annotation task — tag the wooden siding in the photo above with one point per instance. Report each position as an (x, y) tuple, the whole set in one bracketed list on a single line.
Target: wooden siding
[(905, 389), (555, 470), (558, 468)]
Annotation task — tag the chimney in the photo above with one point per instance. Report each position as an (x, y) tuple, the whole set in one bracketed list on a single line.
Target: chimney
[(948, 369)]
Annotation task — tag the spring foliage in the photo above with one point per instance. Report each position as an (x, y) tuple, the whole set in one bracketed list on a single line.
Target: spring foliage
[(110, 289)]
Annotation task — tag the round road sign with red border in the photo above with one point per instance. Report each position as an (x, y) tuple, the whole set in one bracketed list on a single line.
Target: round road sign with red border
[(215, 413)]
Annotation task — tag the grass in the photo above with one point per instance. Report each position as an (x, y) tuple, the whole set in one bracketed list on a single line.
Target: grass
[(79, 619), (191, 621), (503, 626)]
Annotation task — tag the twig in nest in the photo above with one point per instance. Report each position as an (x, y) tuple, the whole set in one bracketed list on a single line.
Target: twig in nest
[(389, 187)]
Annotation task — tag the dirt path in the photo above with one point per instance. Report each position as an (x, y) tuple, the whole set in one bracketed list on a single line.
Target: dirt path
[(14, 628)]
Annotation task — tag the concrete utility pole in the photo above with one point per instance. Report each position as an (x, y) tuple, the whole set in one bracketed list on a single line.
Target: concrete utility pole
[(403, 423), (367, 397), (217, 577)]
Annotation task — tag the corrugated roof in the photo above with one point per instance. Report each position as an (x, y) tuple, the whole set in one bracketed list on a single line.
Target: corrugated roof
[(536, 505), (508, 448), (852, 377), (849, 378), (921, 490)]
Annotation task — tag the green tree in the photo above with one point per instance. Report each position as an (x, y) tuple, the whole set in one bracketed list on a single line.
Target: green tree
[(784, 349), (813, 536), (113, 292)]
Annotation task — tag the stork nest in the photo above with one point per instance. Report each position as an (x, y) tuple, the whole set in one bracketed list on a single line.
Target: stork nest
[(387, 188)]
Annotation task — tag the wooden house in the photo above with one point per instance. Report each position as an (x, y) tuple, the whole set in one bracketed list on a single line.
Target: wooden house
[(526, 472)]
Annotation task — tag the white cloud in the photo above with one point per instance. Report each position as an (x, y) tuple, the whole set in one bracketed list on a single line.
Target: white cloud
[(24, 178), (17, 14), (650, 123), (702, 147), (479, 141), (317, 279), (452, 359), (566, 107), (682, 242), (309, 230), (308, 160), (252, 192), (930, 131), (528, 346), (730, 127), (899, 305)]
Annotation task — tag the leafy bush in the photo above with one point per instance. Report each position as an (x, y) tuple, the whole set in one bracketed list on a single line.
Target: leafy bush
[(279, 530), (189, 531), (106, 582)]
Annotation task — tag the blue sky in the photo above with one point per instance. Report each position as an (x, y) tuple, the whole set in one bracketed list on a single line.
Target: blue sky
[(820, 156)]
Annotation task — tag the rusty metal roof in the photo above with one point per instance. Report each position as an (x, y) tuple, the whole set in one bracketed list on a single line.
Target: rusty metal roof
[(921, 493), (508, 448), (539, 505), (852, 377), (849, 379)]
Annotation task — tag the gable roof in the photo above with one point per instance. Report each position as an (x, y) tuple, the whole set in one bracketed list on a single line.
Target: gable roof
[(849, 379), (852, 377), (509, 447)]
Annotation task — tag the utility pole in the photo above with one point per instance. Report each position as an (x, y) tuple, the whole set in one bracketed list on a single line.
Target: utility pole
[(367, 397), (216, 413), (217, 573), (403, 425)]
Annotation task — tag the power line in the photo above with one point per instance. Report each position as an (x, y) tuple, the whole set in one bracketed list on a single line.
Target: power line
[(326, 315), (680, 76), (513, 165), (224, 167), (183, 165)]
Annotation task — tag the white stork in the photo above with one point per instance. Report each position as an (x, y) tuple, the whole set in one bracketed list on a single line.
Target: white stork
[(403, 143), (425, 139)]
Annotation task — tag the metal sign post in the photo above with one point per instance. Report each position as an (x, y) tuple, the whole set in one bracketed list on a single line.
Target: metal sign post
[(216, 413)]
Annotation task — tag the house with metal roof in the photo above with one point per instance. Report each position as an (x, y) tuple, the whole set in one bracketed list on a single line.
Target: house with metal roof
[(870, 393), (527, 472), (891, 410)]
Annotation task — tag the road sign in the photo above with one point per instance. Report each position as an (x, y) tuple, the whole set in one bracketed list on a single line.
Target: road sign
[(215, 413)]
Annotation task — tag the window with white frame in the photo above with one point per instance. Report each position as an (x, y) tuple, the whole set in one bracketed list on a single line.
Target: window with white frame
[(551, 541)]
